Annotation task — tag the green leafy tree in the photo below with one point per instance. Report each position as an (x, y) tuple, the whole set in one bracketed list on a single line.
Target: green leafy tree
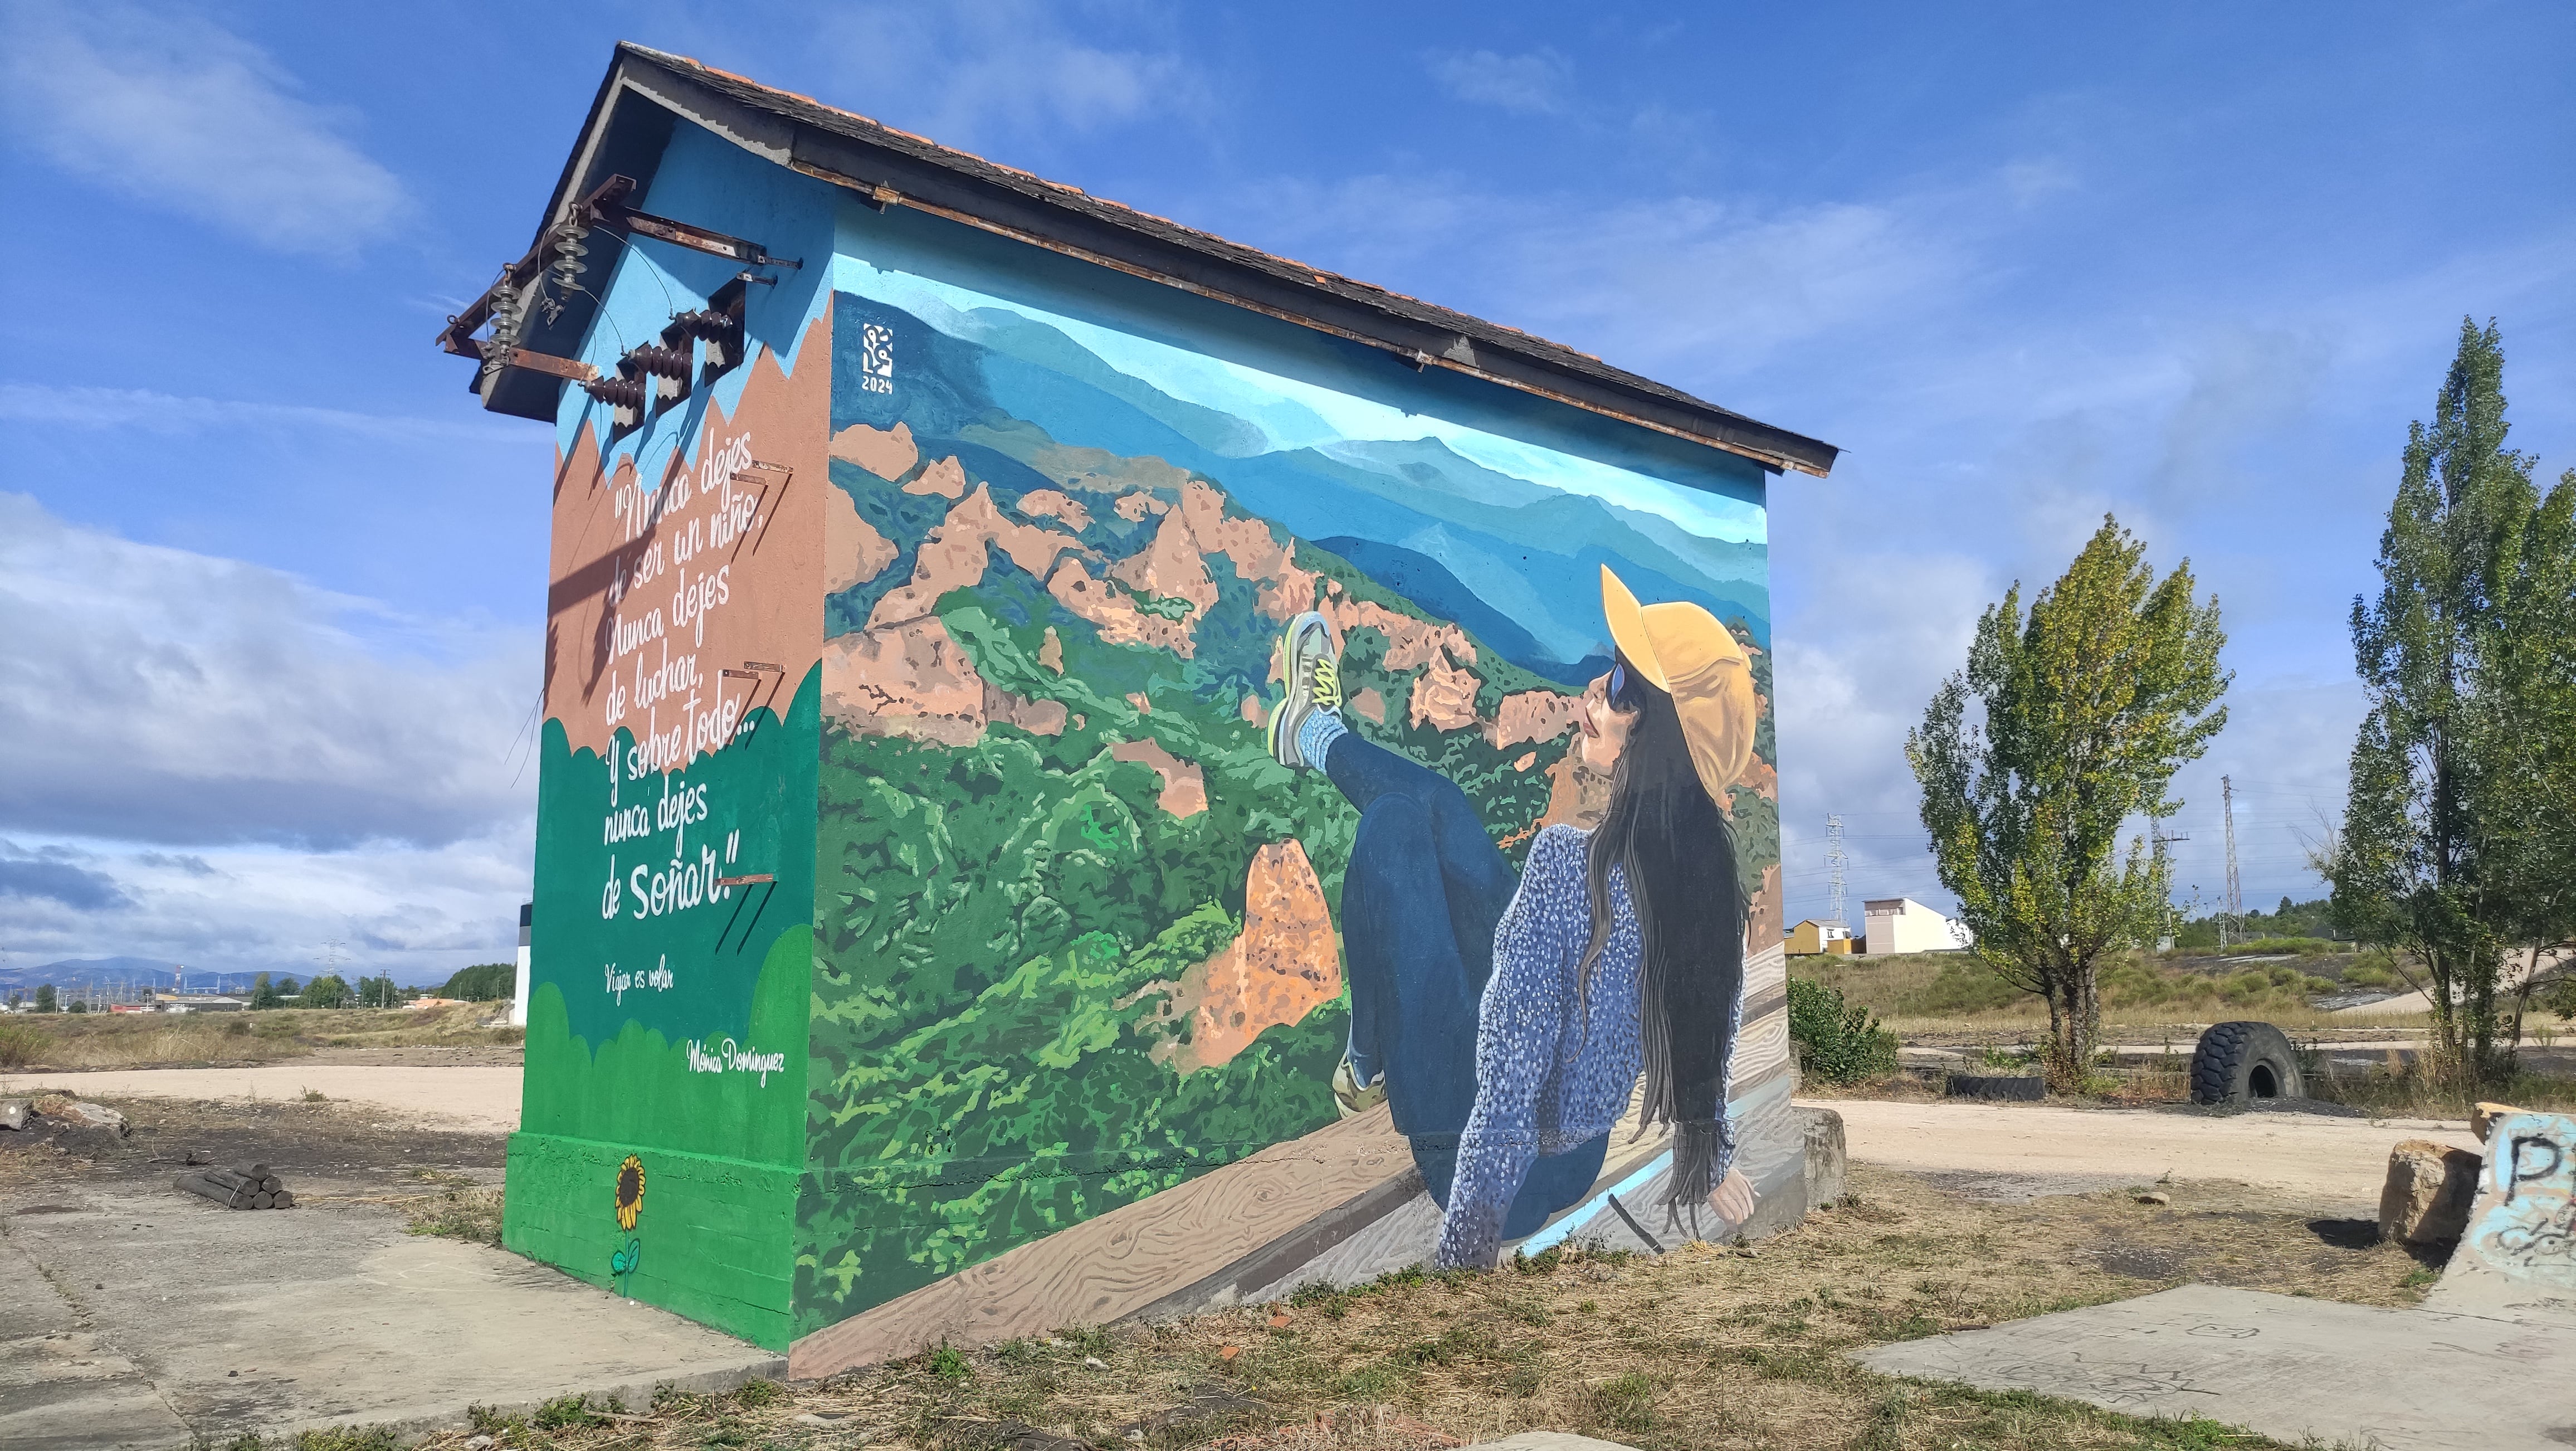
[(44, 997), (2087, 707), (286, 988), (2527, 715), (263, 994), (2450, 851), (327, 991), (483, 983)]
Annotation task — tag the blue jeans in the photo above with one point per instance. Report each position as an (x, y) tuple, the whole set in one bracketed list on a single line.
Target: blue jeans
[(1420, 900)]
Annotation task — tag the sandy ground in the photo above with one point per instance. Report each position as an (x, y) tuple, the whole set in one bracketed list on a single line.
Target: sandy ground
[(2006, 1151), (483, 1098), (2015, 1150)]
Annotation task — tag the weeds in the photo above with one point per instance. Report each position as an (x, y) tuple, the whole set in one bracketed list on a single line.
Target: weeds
[(20, 1046), (472, 1215)]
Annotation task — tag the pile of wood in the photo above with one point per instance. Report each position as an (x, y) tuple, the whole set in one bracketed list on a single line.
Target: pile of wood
[(248, 1187)]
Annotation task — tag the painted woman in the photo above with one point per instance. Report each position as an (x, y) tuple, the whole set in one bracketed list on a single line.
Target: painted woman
[(1506, 1017)]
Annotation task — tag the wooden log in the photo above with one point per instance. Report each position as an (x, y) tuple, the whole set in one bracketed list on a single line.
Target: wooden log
[(285, 1200), (198, 1183), (263, 1200)]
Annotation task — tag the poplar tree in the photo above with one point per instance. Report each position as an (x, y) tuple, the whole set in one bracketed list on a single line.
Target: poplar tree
[(2528, 712), (2084, 711), (2451, 850)]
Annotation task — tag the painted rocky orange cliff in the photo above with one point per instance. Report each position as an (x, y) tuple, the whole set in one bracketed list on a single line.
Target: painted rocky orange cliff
[(1286, 964)]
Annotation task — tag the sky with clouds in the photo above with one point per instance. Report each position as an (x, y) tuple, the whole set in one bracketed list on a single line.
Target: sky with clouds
[(270, 586)]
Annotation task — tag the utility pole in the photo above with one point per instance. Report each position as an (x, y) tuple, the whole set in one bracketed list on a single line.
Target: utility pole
[(1840, 863), (2235, 897)]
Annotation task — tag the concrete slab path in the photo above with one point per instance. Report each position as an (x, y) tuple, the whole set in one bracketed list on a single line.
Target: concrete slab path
[(484, 1098), (136, 1317), (2330, 1163), (2296, 1370)]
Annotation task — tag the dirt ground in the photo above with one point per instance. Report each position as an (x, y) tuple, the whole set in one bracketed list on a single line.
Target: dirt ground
[(449, 1087), (349, 1150), (1704, 1348), (2322, 1160)]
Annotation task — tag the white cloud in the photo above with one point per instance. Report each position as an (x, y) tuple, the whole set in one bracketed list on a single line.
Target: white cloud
[(1531, 84), (418, 913), (971, 73), (331, 769), (1684, 288), (152, 695), (175, 110), (141, 409)]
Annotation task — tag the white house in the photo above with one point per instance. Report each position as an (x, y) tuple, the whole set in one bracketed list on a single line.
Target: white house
[(1901, 924)]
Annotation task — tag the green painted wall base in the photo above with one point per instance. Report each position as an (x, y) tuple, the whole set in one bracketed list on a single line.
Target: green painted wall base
[(716, 1245)]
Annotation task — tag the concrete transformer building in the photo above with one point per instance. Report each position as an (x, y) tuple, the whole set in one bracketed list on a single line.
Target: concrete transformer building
[(926, 943)]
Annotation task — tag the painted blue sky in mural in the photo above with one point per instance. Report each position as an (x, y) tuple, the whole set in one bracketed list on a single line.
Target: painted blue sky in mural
[(2197, 263), (1512, 530)]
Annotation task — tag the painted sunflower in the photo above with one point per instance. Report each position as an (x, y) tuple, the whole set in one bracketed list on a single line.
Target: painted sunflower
[(630, 1191)]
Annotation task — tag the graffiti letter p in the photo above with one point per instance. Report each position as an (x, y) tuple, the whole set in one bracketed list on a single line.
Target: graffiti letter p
[(2518, 1172)]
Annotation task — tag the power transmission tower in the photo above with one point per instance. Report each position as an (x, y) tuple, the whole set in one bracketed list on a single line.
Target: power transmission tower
[(1840, 863), (2235, 897), (2174, 916)]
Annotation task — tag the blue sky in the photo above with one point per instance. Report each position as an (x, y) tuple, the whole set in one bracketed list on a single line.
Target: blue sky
[(272, 585)]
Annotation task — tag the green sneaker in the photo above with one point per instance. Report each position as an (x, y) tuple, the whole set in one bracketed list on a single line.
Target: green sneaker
[(1314, 683), (1351, 1096)]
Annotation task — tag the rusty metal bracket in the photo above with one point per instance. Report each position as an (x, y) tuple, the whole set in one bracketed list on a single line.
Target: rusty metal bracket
[(695, 238), (572, 368)]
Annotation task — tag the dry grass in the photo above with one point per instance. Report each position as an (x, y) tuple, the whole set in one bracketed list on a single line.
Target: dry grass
[(1953, 995), (1703, 1349), (169, 1040), (469, 1212)]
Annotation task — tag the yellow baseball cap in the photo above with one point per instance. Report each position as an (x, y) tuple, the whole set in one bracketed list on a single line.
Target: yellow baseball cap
[(1683, 651)]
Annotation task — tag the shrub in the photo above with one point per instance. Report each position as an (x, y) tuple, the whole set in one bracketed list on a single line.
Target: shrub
[(1836, 1043), (20, 1046)]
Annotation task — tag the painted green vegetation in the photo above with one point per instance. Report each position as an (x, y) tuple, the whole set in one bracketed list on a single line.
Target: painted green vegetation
[(1000, 925), (645, 1070)]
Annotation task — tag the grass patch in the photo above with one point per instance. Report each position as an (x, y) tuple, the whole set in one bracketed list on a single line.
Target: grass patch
[(1703, 1349), (2399, 1089), (473, 1215), (1937, 992)]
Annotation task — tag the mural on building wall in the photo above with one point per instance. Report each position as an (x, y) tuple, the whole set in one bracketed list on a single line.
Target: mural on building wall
[(1159, 699), (671, 934)]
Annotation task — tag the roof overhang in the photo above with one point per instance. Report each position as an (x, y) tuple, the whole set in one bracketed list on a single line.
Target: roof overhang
[(647, 91)]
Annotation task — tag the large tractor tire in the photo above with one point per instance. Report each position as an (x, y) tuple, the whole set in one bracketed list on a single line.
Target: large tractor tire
[(2243, 1063)]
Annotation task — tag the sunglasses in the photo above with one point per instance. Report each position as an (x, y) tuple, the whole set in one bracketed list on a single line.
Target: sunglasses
[(1618, 679)]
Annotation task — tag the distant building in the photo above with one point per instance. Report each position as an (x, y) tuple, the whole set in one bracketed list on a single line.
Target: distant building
[(1811, 937), (201, 1003), (1901, 924)]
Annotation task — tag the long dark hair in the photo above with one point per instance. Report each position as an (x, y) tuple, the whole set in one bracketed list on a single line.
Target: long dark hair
[(1670, 841)]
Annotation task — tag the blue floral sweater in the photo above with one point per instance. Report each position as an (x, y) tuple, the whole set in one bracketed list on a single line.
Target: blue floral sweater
[(1544, 1082)]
